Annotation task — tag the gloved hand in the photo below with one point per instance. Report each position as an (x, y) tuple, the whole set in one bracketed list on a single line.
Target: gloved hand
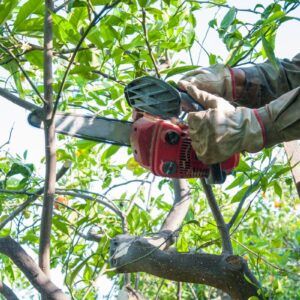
[(218, 80), (222, 129)]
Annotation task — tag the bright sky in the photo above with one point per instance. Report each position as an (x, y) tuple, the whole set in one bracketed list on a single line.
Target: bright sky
[(25, 137)]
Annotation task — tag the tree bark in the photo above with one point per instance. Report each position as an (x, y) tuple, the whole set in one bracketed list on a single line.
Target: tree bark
[(225, 272), (7, 292), (49, 130), (34, 274)]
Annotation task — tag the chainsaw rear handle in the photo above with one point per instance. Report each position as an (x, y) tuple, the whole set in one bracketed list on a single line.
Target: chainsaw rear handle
[(216, 174)]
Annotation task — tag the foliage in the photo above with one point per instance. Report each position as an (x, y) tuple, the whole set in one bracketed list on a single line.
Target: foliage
[(115, 52)]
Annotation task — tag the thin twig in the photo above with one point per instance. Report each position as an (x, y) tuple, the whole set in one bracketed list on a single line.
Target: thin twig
[(32, 198), (65, 3), (93, 198), (9, 138), (248, 193), (106, 9), (224, 232), (218, 4), (147, 42), (23, 71), (265, 260), (125, 183)]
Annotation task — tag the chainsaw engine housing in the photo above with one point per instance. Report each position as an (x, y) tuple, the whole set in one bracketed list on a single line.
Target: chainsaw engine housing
[(165, 149)]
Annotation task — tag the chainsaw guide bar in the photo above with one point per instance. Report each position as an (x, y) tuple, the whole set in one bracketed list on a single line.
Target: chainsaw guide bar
[(98, 129)]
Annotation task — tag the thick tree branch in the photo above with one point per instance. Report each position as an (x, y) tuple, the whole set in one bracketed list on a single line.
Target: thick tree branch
[(165, 237), (7, 292), (16, 100), (180, 207), (224, 232), (225, 272), (27, 265), (50, 151), (66, 166)]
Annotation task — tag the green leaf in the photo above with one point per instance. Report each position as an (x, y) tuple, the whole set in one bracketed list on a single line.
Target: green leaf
[(277, 15), (229, 18), (239, 180), (78, 16), (143, 3), (77, 270), (277, 189), (13, 68), (269, 52), (26, 10), (110, 151), (100, 2), (35, 57), (179, 70), (24, 170), (239, 195), (243, 166), (33, 27), (60, 224), (6, 9)]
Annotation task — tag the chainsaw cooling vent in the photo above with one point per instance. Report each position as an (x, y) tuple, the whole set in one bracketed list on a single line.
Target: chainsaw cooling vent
[(153, 96), (185, 168)]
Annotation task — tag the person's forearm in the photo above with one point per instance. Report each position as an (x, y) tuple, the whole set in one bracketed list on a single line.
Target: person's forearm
[(239, 82), (281, 119), (262, 83)]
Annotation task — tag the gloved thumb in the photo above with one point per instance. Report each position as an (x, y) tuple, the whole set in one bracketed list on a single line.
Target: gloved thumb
[(208, 100)]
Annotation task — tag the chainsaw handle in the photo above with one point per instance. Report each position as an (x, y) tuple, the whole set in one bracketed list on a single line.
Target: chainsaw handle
[(216, 174), (188, 103)]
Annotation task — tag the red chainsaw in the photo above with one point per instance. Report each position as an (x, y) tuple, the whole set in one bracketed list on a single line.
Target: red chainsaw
[(159, 144)]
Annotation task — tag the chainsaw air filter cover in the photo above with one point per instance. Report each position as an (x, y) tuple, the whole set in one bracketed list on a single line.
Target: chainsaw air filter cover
[(154, 96)]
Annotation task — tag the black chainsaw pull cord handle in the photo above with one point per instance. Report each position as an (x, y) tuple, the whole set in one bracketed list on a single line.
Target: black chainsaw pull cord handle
[(216, 174)]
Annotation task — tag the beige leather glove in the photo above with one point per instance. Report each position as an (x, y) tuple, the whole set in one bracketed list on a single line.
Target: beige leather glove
[(217, 80), (222, 129)]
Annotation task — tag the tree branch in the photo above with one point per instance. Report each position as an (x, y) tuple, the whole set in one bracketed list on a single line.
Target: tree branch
[(180, 207), (111, 206), (248, 193), (96, 19), (9, 138), (147, 42), (7, 292), (66, 166), (65, 3), (18, 101), (224, 232), (23, 71), (33, 273), (50, 151), (225, 272)]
